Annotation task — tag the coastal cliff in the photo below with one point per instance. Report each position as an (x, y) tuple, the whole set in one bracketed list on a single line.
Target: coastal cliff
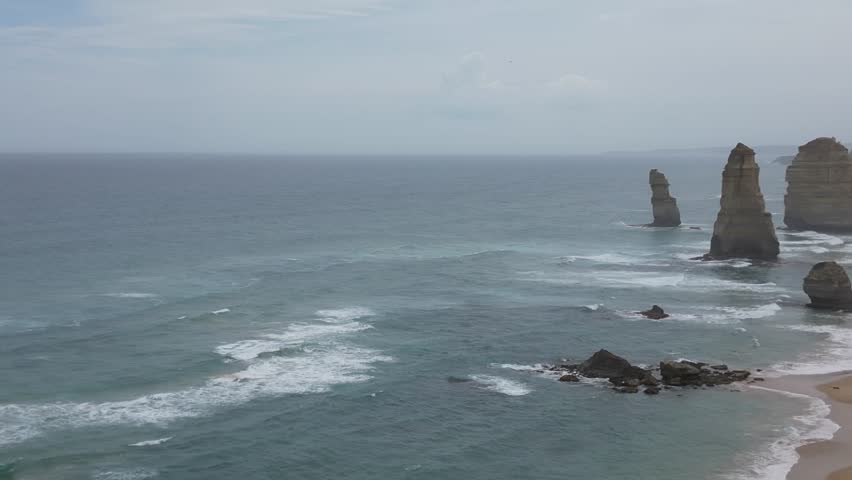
[(819, 187), (664, 206), (743, 228)]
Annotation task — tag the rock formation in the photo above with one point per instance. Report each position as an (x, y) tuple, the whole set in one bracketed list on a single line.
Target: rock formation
[(627, 378), (819, 187), (666, 213), (828, 287), (743, 228), (655, 313), (604, 364)]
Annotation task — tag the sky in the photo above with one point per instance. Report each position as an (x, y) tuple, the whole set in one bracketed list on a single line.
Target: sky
[(421, 76)]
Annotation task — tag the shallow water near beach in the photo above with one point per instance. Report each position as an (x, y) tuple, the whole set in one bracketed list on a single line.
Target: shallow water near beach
[(195, 318)]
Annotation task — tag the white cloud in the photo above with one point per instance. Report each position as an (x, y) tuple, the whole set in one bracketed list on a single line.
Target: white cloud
[(164, 24), (229, 10), (471, 78)]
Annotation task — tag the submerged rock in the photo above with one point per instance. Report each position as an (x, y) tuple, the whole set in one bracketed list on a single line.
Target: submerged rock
[(743, 228), (664, 206), (655, 313), (828, 287), (819, 187)]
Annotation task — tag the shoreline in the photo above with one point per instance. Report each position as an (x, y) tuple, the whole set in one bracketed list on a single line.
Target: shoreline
[(823, 459)]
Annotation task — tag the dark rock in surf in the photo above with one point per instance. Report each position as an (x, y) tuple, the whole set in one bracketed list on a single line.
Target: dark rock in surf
[(569, 378), (655, 313), (604, 364)]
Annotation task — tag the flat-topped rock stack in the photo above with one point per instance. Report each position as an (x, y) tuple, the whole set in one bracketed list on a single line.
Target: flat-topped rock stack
[(743, 228), (819, 187), (828, 287), (666, 213)]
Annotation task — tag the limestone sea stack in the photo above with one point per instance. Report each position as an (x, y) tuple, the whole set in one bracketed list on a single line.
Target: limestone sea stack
[(819, 187), (828, 287), (743, 227), (666, 213)]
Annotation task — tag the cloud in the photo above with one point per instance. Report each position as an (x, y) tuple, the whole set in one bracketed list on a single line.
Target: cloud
[(470, 82), (168, 24)]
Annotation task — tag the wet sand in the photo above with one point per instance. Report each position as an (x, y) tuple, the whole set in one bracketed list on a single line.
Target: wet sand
[(832, 459)]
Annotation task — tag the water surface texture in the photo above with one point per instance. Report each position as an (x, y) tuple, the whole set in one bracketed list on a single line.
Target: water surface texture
[(190, 317)]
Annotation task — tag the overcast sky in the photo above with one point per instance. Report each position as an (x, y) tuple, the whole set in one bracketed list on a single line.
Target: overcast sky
[(421, 76)]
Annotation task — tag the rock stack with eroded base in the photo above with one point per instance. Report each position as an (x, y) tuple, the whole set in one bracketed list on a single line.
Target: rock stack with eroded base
[(828, 287), (819, 187), (666, 213), (743, 228)]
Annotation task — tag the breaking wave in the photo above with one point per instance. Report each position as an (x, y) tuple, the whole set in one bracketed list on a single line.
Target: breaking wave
[(321, 356)]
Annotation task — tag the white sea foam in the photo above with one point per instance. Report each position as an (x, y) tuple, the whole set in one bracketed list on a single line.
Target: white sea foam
[(519, 368), (325, 359), (221, 311), (125, 474), (134, 295), (616, 259), (345, 314), (778, 458), (713, 315), (501, 385), (151, 443), (811, 238), (593, 307), (835, 356)]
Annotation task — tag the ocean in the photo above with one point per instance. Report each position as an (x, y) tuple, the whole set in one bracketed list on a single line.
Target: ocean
[(217, 317)]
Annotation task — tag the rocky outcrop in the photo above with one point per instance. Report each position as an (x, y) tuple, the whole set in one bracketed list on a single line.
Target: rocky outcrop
[(627, 378), (664, 206), (819, 187), (655, 313), (743, 228), (828, 287), (604, 364)]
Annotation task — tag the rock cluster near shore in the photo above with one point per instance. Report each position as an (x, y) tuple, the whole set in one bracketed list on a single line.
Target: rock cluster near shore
[(819, 187), (664, 206), (627, 378), (828, 287), (743, 227)]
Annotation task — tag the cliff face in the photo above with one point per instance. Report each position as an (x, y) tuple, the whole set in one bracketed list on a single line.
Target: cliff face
[(828, 286), (819, 187), (743, 228), (666, 213)]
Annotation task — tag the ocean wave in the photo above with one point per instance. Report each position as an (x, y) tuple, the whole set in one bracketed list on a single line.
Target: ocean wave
[(811, 238), (151, 443), (593, 307), (615, 259), (132, 295), (633, 279), (344, 314), (778, 458), (713, 315), (733, 263), (221, 311), (325, 360), (835, 356), (501, 385), (125, 474)]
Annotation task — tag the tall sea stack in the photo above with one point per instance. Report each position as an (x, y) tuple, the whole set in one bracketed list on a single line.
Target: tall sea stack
[(819, 187), (666, 213), (743, 227)]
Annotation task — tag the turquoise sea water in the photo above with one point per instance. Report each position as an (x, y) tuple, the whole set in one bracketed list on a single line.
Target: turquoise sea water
[(189, 317)]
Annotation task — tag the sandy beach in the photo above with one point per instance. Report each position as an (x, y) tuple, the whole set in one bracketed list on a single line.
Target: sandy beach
[(831, 459)]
